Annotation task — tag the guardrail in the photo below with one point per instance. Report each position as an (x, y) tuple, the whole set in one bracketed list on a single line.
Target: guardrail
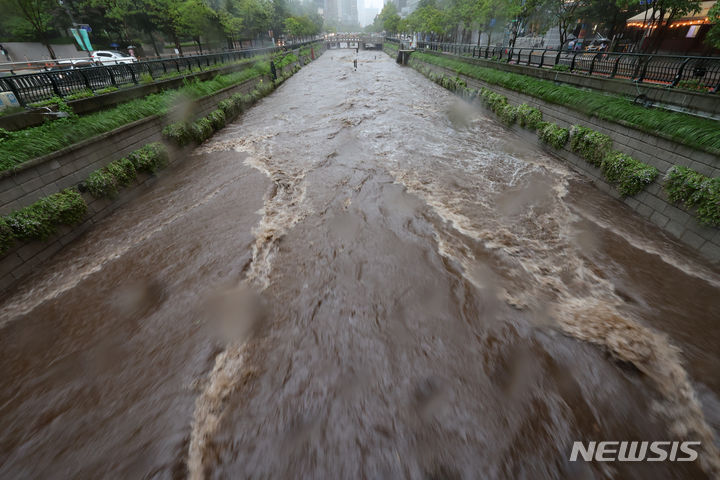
[(36, 87), (668, 70)]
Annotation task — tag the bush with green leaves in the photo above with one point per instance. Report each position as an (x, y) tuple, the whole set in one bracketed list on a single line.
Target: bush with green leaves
[(179, 133), (589, 144), (529, 117), (150, 158), (6, 236), (123, 170), (202, 130), (695, 190), (86, 93), (629, 176), (694, 84), (508, 114), (697, 132), (494, 101), (105, 90), (217, 119), (451, 83), (553, 135), (561, 68), (230, 108), (101, 183), (41, 219), (106, 181), (145, 78)]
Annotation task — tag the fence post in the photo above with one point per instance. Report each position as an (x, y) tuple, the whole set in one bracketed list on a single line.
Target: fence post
[(542, 57), (149, 70), (615, 67), (85, 78), (592, 63), (112, 77), (636, 72), (56, 89), (644, 70), (132, 73), (678, 76), (572, 63)]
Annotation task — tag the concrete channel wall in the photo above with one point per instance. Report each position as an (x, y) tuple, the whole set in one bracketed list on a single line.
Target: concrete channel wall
[(70, 166), (685, 100), (652, 203), (83, 106)]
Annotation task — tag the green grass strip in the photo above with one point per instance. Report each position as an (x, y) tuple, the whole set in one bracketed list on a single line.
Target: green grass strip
[(696, 132), (20, 146)]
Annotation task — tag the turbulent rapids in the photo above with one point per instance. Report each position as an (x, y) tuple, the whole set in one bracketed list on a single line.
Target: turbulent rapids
[(364, 277)]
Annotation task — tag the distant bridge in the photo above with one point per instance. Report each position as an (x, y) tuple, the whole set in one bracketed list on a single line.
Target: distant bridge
[(363, 42)]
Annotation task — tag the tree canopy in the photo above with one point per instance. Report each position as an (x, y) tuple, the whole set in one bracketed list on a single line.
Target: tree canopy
[(175, 21)]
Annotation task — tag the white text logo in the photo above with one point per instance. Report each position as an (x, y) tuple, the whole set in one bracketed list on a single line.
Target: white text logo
[(626, 451)]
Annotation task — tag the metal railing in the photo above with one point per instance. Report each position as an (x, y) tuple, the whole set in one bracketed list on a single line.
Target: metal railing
[(36, 87), (702, 73)]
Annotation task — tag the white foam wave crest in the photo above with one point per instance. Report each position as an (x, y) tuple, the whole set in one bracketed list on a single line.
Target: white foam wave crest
[(592, 318), (282, 209)]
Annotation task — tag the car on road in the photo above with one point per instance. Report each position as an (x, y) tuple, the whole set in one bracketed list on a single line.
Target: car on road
[(72, 64), (112, 57)]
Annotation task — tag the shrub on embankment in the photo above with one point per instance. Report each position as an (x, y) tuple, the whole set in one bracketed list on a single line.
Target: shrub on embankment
[(553, 135), (21, 146), (107, 181), (694, 190), (185, 133), (41, 219), (628, 175), (696, 132), (589, 144)]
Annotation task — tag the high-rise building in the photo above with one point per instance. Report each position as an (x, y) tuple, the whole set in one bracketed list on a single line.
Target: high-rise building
[(348, 12), (342, 12), (331, 11), (366, 15)]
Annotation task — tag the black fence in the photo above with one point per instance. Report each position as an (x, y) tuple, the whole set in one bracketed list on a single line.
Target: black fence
[(36, 87), (701, 73)]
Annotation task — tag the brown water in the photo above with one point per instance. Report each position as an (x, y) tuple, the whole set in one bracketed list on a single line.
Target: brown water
[(362, 278)]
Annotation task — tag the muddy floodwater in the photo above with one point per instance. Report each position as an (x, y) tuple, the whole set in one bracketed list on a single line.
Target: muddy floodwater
[(363, 277)]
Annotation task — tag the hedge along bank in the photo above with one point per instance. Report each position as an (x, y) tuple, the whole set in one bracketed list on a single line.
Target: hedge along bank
[(40, 220), (628, 175), (695, 132), (20, 146)]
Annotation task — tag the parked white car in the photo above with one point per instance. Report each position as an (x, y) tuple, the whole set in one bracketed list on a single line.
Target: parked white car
[(112, 57)]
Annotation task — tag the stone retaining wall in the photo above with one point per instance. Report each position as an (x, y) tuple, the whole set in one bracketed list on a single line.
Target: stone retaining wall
[(70, 166), (652, 203), (686, 100)]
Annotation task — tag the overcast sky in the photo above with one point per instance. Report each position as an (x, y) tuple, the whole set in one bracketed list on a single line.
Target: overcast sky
[(370, 3)]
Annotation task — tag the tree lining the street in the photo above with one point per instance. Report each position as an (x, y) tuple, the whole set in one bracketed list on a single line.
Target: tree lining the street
[(219, 22), (456, 20)]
